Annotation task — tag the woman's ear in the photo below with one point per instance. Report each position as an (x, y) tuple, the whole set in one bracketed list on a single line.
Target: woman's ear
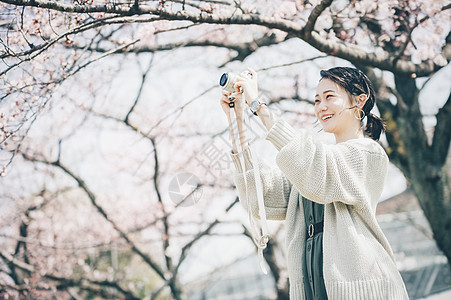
[(361, 100)]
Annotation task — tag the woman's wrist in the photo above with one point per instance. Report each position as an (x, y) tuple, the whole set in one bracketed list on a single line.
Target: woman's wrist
[(267, 118)]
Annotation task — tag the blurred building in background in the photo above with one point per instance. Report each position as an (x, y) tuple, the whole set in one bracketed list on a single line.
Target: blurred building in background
[(424, 268), (240, 281)]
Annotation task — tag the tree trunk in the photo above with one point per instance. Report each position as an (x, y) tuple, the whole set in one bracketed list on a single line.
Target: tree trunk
[(426, 172), (424, 165), (432, 188)]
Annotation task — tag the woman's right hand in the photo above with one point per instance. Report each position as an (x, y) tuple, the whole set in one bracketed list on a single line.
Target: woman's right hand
[(239, 104)]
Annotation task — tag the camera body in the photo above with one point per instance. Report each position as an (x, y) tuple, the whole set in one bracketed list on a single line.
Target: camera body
[(227, 82)]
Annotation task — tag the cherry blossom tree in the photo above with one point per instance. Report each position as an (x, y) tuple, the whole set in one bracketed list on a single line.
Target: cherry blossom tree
[(60, 59)]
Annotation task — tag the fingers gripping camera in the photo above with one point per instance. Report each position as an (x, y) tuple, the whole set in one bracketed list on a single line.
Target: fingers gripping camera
[(227, 82)]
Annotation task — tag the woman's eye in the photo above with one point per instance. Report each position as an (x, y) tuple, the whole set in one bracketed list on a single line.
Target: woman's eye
[(328, 96), (316, 101)]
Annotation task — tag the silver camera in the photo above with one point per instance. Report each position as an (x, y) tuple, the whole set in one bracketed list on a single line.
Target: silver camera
[(227, 82)]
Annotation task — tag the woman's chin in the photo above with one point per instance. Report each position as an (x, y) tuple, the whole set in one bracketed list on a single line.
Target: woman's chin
[(327, 129)]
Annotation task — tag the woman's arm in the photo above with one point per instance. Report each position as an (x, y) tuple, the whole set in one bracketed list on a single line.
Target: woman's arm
[(276, 187), (351, 172), (266, 116)]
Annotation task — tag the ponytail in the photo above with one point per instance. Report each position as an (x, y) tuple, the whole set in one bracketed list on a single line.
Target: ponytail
[(374, 126)]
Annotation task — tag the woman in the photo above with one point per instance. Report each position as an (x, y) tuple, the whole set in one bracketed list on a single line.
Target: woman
[(327, 194)]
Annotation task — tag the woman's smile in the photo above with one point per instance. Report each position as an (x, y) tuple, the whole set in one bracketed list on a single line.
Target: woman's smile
[(326, 117)]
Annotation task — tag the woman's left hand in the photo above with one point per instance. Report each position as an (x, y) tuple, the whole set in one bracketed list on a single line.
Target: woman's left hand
[(248, 85)]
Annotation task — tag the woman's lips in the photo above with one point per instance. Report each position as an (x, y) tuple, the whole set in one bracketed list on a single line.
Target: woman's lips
[(327, 117)]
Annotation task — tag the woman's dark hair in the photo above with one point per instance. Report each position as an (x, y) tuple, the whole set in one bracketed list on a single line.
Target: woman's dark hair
[(355, 82)]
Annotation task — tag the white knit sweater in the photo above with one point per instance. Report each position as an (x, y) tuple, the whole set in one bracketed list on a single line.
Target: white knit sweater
[(348, 178)]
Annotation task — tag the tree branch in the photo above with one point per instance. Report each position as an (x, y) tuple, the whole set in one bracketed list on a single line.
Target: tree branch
[(77, 8), (67, 282), (93, 200), (314, 15), (411, 29), (200, 235), (190, 244), (243, 50), (37, 50), (21, 265), (381, 59), (112, 51), (164, 219), (138, 96), (195, 17)]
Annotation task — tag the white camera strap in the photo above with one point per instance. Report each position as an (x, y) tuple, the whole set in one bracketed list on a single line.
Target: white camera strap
[(261, 238)]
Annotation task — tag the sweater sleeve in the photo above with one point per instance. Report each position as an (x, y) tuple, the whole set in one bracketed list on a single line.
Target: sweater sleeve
[(352, 172), (276, 187)]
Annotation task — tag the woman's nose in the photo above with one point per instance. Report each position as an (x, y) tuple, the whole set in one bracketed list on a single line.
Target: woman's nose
[(322, 107)]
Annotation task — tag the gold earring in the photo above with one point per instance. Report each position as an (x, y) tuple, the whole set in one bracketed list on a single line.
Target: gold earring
[(360, 114)]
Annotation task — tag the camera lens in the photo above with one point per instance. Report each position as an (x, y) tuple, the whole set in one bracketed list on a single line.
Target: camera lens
[(223, 80)]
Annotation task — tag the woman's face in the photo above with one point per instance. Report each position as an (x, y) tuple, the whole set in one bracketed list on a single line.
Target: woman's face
[(331, 108)]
